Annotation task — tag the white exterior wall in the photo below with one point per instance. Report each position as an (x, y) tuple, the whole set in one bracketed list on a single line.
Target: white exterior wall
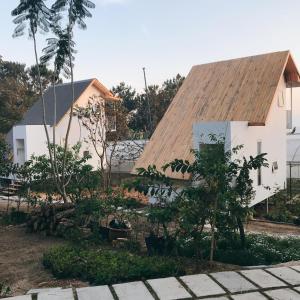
[(272, 136), (293, 140), (35, 138), (77, 132)]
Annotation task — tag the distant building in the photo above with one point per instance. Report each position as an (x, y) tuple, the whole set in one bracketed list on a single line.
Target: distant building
[(28, 136)]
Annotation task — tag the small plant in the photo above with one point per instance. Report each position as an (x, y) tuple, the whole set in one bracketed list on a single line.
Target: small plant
[(5, 290)]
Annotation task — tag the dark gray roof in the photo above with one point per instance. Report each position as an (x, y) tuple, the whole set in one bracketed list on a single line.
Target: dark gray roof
[(34, 116)]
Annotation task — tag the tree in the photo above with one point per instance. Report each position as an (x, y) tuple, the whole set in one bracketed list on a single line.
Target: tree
[(159, 100), (38, 15), (18, 91), (46, 74), (106, 124), (222, 188), (6, 164), (127, 95), (36, 171)]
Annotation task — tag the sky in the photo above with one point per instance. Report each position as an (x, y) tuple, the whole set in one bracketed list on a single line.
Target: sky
[(166, 37)]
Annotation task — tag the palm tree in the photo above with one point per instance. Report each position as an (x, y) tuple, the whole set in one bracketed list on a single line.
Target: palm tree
[(77, 12), (36, 15), (61, 48), (58, 49)]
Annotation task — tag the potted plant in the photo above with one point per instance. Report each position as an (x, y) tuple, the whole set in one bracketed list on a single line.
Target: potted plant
[(119, 228), (117, 210)]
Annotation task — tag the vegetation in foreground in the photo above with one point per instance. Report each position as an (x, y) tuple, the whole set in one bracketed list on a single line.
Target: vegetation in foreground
[(108, 266), (103, 266)]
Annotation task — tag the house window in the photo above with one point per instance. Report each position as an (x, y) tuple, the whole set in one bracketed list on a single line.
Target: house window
[(289, 119), (86, 153), (259, 169), (274, 166), (111, 123), (20, 151)]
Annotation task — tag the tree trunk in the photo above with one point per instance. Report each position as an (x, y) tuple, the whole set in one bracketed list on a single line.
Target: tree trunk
[(72, 105), (44, 111), (213, 225), (242, 232)]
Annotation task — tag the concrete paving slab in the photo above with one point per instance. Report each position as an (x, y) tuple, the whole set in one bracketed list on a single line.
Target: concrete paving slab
[(94, 293), (169, 289), (202, 285), (66, 294), (132, 291), (297, 268), (249, 296), (234, 282), (283, 294), (216, 298), (263, 279), (287, 274), (44, 290)]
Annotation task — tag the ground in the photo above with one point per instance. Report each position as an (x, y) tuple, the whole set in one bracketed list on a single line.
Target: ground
[(21, 254), (20, 260), (272, 228)]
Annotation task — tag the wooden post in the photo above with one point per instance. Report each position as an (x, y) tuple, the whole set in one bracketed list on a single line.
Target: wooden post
[(290, 181)]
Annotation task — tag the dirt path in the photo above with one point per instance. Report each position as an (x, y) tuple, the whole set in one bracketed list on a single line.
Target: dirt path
[(271, 228), (21, 254), (20, 260)]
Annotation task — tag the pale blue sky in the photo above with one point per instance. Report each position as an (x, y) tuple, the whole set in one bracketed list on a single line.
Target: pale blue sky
[(167, 36)]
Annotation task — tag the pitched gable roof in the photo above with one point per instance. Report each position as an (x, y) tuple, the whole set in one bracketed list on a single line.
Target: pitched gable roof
[(233, 90), (34, 116)]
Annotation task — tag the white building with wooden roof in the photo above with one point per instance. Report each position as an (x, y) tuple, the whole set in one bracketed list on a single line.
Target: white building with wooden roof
[(245, 100)]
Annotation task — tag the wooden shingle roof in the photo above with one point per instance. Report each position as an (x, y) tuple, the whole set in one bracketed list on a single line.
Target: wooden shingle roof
[(233, 90)]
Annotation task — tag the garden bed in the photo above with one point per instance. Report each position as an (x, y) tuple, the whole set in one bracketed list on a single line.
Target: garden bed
[(108, 266)]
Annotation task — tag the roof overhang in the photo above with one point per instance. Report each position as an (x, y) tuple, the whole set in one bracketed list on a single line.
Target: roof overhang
[(107, 94), (291, 73)]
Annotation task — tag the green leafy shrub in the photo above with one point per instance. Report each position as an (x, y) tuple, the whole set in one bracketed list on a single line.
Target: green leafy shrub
[(283, 216), (14, 218), (5, 290), (260, 249), (107, 266), (296, 221)]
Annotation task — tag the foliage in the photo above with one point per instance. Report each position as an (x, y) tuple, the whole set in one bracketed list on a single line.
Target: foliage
[(260, 249), (35, 12), (6, 163), (5, 290), (106, 125), (220, 193), (18, 91), (137, 104), (107, 266), (280, 210), (14, 217), (38, 170)]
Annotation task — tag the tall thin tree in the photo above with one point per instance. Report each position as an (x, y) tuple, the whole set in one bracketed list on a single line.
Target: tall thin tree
[(36, 15), (77, 12)]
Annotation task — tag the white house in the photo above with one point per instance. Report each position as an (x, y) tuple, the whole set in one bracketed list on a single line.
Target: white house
[(28, 137), (245, 100)]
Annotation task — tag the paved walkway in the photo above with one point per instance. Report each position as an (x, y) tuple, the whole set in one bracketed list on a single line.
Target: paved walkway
[(279, 283)]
